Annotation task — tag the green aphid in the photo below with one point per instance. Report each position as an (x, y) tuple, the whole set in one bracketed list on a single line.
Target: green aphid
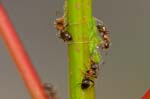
[(95, 41), (96, 57)]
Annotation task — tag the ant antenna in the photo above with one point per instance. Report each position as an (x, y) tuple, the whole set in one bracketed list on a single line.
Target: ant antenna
[(58, 13), (99, 21)]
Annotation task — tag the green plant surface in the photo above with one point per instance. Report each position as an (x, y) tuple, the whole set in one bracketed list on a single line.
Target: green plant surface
[(82, 26)]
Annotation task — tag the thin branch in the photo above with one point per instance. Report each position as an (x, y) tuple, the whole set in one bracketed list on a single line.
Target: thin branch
[(20, 57)]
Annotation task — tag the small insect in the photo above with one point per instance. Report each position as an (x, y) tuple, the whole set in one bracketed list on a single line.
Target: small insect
[(86, 83), (61, 27), (105, 36), (92, 72), (51, 92), (103, 31), (105, 44)]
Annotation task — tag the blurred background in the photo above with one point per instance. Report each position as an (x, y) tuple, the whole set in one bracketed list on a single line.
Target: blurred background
[(126, 72)]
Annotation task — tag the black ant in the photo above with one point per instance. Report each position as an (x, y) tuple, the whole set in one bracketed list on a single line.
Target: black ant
[(104, 34), (90, 74), (60, 26)]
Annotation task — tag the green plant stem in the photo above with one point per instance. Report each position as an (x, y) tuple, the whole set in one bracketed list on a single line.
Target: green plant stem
[(78, 15)]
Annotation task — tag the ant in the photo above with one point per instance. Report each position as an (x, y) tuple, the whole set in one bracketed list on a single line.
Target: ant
[(60, 26), (92, 72), (50, 90), (104, 34)]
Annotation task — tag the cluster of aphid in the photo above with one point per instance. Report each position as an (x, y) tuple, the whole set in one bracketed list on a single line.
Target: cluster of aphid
[(91, 73), (50, 91)]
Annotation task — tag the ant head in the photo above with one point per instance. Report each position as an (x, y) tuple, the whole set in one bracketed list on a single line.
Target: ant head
[(101, 28), (94, 66)]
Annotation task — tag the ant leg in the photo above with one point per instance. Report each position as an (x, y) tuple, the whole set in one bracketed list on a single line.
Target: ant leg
[(82, 72), (99, 21), (101, 63), (58, 35), (94, 75), (86, 67), (66, 25), (92, 83), (78, 85), (57, 12), (102, 46)]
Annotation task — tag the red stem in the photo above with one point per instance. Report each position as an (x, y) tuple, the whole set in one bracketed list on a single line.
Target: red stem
[(146, 95), (20, 57)]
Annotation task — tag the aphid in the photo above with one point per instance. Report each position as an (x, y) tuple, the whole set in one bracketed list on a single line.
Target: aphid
[(51, 92), (61, 27), (86, 83)]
